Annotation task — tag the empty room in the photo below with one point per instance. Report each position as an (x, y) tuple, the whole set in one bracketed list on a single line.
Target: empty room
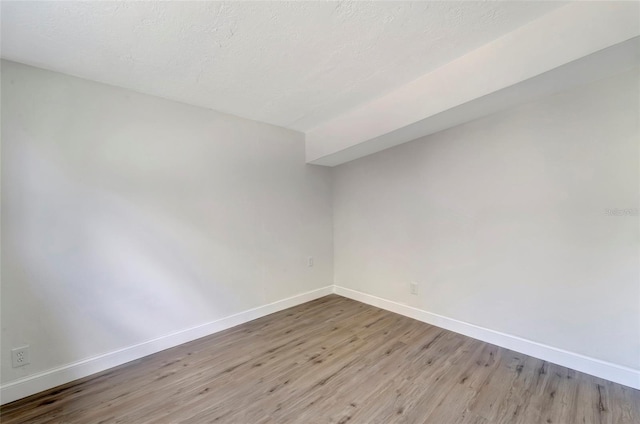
[(320, 212)]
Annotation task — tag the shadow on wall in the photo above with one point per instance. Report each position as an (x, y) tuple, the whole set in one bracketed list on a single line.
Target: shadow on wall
[(87, 270)]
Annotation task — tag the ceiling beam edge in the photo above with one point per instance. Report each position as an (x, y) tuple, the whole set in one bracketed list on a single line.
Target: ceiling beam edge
[(556, 39)]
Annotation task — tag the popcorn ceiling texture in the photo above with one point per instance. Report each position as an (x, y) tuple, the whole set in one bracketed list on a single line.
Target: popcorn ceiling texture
[(293, 64)]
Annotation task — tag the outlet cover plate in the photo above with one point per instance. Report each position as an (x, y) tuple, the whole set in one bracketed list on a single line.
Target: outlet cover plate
[(20, 356)]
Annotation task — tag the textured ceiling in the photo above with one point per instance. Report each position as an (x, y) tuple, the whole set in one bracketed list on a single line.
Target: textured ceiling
[(293, 64)]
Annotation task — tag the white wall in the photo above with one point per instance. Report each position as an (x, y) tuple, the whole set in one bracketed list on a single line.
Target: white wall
[(126, 217), (502, 222)]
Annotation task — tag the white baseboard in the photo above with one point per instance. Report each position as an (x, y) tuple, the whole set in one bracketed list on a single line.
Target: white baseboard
[(596, 367), (46, 380)]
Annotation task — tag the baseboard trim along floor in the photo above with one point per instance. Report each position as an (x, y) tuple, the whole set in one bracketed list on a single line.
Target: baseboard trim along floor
[(596, 367), (46, 380)]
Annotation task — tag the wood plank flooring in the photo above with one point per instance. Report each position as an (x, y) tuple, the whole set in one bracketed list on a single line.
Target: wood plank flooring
[(334, 360)]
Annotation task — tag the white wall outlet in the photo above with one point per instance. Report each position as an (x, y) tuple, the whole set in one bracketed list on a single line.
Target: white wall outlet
[(20, 356), (413, 287), (310, 261)]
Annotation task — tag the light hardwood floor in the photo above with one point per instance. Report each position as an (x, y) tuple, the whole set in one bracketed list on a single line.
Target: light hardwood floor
[(334, 360)]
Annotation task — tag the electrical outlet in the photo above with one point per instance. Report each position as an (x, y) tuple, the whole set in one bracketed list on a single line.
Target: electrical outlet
[(414, 287), (20, 356), (310, 261)]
